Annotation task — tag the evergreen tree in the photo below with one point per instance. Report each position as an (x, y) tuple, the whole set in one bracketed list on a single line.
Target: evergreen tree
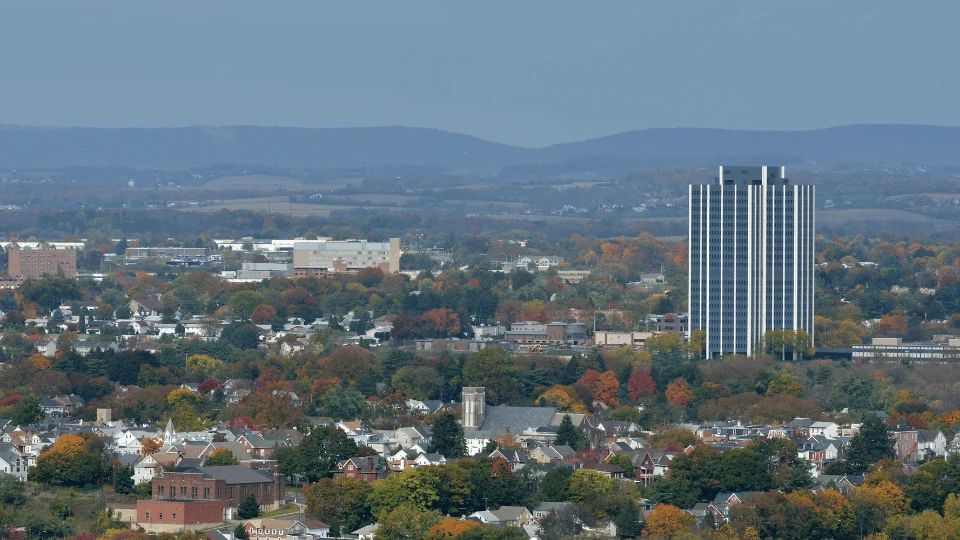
[(556, 484), (448, 438), (82, 325), (571, 372), (869, 446), (239, 533), (27, 411), (122, 480), (490, 447), (249, 508), (569, 435), (628, 520)]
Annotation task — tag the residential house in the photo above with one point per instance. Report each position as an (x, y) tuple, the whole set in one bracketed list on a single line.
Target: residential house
[(515, 458), (724, 502), (12, 462), (544, 509), (282, 529), (513, 516), (366, 468), (153, 465), (409, 436), (829, 430), (145, 306), (424, 460), (550, 454)]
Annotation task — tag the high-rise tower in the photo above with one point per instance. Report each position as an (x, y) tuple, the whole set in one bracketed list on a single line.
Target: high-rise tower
[(751, 257)]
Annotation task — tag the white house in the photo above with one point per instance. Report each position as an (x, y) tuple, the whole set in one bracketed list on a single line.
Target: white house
[(12, 463), (829, 430)]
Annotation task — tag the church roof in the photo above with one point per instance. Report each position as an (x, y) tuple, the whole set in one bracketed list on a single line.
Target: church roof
[(498, 420)]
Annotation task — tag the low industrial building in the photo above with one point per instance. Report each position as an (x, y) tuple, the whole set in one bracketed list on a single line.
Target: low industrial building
[(895, 350), (552, 333)]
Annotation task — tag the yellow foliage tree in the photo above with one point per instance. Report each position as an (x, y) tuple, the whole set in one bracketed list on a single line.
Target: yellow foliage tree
[(564, 398), (182, 395), (40, 362)]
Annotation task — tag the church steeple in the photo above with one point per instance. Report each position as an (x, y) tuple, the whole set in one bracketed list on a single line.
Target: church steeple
[(169, 434)]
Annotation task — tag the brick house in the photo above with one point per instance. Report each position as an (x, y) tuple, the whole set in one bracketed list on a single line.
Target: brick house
[(367, 468), (157, 516)]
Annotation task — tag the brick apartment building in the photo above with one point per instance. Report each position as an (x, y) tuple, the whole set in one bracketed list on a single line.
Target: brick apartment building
[(45, 260), (174, 516), (229, 484)]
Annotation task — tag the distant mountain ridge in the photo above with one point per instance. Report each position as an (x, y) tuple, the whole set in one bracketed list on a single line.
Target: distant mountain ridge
[(326, 148)]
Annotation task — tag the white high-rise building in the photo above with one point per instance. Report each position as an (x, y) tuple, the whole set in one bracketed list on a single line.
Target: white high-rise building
[(751, 257)]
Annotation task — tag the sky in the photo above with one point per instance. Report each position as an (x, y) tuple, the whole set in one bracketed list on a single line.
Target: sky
[(528, 73)]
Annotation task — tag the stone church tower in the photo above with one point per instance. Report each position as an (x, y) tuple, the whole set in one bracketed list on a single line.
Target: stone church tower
[(474, 407)]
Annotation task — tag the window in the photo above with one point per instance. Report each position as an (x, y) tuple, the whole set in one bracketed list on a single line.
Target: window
[(147, 516), (174, 517), (161, 516)]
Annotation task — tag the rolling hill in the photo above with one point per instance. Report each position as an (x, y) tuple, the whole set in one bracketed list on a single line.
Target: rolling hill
[(325, 148)]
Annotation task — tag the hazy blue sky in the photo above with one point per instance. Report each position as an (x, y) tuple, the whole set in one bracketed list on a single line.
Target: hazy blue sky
[(522, 72)]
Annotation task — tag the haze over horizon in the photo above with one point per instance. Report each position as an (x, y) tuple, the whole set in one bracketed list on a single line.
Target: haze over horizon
[(532, 74)]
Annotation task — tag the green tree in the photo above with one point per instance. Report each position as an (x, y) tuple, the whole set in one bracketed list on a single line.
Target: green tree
[(122, 479), (406, 522), (628, 520), (321, 450), (447, 436), (239, 533), (587, 486), (869, 446), (494, 369), (569, 435), (248, 508), (242, 303), (11, 491), (220, 457), (27, 411), (61, 508), (556, 484)]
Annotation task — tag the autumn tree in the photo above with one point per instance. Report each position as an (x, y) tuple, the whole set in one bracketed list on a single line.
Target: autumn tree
[(564, 398), (667, 521), (641, 385), (679, 393), (202, 367), (263, 314), (69, 462)]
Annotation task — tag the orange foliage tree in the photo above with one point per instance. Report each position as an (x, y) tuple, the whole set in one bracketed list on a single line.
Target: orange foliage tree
[(451, 528), (679, 393), (667, 521)]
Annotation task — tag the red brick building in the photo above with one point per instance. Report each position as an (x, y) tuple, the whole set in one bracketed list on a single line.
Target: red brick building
[(170, 516), (366, 468), (42, 261), (230, 484)]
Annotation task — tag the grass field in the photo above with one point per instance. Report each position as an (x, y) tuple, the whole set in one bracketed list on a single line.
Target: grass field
[(278, 205), (256, 181), (939, 197), (877, 214)]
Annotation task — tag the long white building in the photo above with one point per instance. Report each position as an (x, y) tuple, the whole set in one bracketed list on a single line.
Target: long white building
[(319, 257), (751, 258)]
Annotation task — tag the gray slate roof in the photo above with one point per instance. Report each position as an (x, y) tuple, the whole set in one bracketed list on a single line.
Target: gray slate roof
[(515, 419), (233, 474)]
